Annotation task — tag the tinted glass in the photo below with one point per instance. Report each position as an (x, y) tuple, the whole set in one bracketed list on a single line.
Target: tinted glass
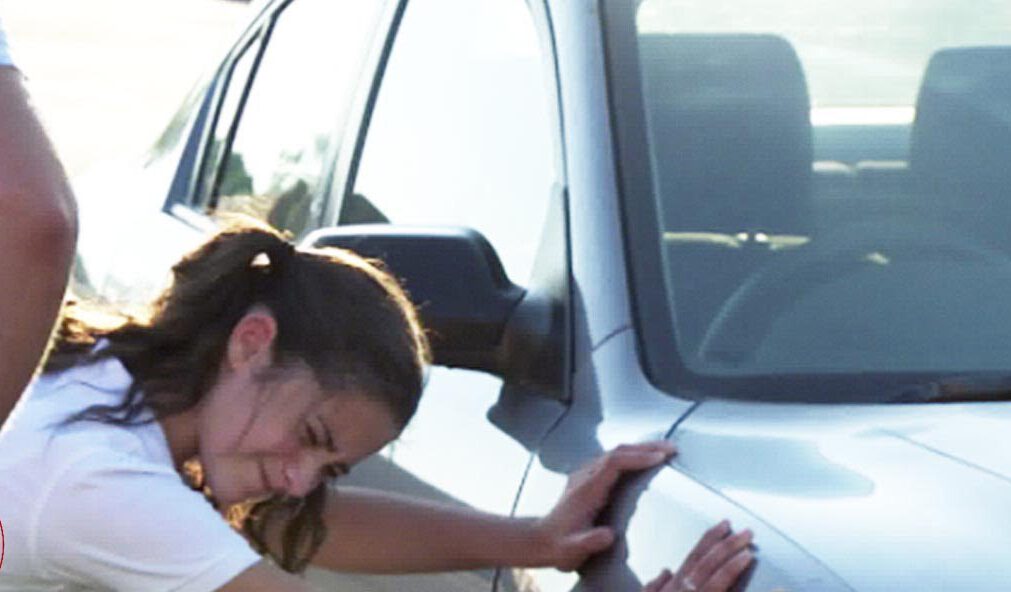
[(296, 110), (462, 132), (229, 103), (832, 183)]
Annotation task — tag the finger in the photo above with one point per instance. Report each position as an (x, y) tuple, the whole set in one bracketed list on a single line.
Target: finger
[(658, 582), (729, 572), (719, 554), (658, 450), (665, 446), (712, 536), (605, 472)]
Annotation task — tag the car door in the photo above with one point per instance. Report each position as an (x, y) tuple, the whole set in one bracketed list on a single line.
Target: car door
[(464, 132)]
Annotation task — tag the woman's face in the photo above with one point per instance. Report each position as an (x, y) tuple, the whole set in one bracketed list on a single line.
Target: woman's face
[(264, 430)]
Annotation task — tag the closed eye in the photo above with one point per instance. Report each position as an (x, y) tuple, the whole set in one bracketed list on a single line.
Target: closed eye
[(327, 436), (319, 436), (337, 469), (309, 436)]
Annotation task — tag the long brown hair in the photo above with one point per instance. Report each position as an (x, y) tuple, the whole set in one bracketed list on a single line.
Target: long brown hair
[(342, 315)]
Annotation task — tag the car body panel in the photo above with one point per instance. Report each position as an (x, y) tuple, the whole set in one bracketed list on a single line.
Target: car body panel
[(921, 481), (594, 220), (661, 514), (600, 417), (129, 192)]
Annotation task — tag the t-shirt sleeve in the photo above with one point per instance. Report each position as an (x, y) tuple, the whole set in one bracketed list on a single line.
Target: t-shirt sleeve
[(115, 523)]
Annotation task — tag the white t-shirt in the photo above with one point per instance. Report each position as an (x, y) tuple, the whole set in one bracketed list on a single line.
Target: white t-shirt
[(90, 506)]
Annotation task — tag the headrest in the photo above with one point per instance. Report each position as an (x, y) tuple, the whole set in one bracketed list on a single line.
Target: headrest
[(961, 138), (729, 121), (965, 91)]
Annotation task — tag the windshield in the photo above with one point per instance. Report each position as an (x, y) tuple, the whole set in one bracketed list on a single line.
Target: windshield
[(830, 184)]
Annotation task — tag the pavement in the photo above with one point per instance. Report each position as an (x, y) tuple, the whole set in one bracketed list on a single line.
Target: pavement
[(107, 75)]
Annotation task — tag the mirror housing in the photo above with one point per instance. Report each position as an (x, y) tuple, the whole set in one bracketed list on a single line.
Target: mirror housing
[(476, 318)]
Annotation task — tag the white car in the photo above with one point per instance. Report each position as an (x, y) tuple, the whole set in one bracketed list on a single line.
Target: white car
[(775, 232)]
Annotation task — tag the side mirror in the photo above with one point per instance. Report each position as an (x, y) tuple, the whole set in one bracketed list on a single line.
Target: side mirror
[(475, 316)]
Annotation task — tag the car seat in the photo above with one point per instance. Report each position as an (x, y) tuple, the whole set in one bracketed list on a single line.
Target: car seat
[(961, 143), (730, 133)]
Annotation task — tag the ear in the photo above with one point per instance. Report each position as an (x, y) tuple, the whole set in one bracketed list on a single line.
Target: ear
[(252, 340)]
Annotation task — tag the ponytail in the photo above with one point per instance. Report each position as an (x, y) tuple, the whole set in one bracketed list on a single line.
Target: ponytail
[(173, 355)]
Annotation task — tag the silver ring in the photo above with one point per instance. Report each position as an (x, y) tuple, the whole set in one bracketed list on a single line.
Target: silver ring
[(688, 585)]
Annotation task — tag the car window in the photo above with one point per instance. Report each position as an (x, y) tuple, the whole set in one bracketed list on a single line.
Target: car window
[(294, 113), (236, 81), (830, 191), (462, 131)]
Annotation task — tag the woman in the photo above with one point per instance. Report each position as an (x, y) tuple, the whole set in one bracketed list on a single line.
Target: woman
[(260, 373)]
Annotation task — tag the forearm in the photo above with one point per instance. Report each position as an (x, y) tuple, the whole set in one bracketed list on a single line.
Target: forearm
[(38, 226), (374, 532)]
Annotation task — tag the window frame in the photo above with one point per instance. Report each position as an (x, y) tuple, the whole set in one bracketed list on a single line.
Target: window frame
[(189, 198), (203, 197), (182, 192), (195, 195)]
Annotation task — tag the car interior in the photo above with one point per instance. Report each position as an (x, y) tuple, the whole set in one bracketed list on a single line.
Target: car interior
[(835, 245), (730, 119)]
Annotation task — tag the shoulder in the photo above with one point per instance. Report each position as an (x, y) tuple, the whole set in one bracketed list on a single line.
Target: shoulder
[(38, 430), (104, 375), (39, 453), (116, 521), (53, 397)]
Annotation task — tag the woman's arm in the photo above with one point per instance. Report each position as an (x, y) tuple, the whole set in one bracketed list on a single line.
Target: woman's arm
[(264, 576), (38, 230), (369, 531), (375, 532)]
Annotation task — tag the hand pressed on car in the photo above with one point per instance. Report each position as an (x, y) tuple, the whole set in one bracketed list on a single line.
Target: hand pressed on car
[(570, 525), (714, 565)]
